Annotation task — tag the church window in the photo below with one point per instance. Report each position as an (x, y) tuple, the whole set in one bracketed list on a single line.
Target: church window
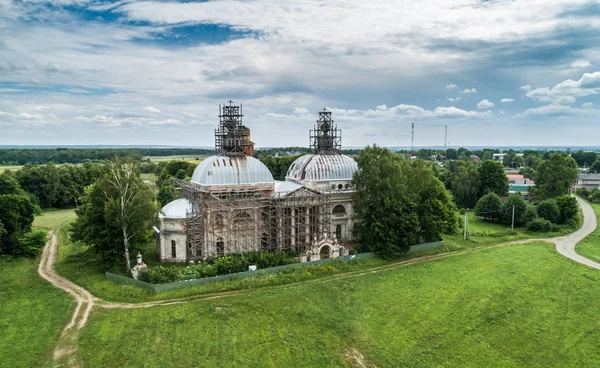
[(173, 249)]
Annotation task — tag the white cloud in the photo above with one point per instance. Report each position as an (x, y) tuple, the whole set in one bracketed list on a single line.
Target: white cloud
[(526, 87), (151, 109), (454, 112), (569, 90), (451, 99), (552, 110), (451, 86), (588, 105), (28, 116), (468, 90), (580, 63), (485, 104), (300, 110), (165, 122), (507, 100)]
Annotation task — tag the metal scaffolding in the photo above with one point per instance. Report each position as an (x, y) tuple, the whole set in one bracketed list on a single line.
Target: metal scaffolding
[(232, 138), (326, 138), (240, 221)]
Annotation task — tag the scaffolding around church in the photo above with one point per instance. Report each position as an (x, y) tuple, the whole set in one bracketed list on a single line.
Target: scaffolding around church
[(236, 221)]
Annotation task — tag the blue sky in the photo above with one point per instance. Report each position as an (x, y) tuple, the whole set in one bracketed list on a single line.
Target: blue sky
[(514, 72)]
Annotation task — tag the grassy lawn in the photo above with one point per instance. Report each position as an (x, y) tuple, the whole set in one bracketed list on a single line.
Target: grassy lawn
[(55, 219), (486, 233), (32, 314), (516, 306), (149, 178), (590, 246), (10, 168), (75, 263)]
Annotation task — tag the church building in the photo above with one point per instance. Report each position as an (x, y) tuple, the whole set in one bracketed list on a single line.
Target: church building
[(233, 205)]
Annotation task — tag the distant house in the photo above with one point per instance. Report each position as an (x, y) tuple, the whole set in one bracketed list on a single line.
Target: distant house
[(519, 180), (589, 181), (519, 184), (498, 156), (474, 158)]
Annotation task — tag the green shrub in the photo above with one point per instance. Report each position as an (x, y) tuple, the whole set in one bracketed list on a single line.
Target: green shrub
[(520, 206), (568, 207), (583, 192), (488, 206), (539, 225), (160, 274), (549, 210), (529, 214), (33, 242)]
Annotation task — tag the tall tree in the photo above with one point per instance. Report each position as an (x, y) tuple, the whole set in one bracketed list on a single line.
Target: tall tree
[(493, 178), (117, 212), (398, 203), (516, 203), (488, 206), (386, 217), (595, 168), (466, 185), (555, 176), (16, 215)]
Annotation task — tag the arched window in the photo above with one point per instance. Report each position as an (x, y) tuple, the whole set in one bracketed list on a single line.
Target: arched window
[(339, 210), (173, 249), (338, 232), (220, 247), (219, 219)]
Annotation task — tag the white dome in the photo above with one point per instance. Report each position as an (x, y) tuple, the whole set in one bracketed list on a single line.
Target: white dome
[(219, 170), (177, 209), (322, 168)]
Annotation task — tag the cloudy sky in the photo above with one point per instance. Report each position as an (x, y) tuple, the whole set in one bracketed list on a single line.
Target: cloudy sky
[(501, 72)]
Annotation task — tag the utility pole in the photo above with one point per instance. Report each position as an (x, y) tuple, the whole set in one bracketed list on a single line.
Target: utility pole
[(513, 219), (465, 227), (467, 230)]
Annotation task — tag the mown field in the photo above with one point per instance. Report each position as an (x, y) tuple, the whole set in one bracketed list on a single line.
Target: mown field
[(514, 306), (189, 158), (32, 311), (590, 246)]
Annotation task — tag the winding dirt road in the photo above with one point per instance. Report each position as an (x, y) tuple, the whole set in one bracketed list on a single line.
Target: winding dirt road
[(65, 353)]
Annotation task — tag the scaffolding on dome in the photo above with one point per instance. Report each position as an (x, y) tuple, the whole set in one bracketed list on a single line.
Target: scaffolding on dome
[(326, 138), (232, 138), (241, 221)]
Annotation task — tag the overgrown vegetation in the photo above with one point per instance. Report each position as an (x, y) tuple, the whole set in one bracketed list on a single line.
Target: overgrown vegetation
[(219, 266)]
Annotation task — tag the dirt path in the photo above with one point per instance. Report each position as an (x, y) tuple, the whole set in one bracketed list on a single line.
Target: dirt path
[(65, 353)]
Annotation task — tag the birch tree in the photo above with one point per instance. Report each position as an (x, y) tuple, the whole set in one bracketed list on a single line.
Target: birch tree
[(117, 213)]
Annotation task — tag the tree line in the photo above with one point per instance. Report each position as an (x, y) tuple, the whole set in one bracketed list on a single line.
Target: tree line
[(22, 156)]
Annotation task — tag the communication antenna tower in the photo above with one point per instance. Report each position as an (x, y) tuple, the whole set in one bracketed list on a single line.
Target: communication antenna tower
[(446, 139), (412, 140)]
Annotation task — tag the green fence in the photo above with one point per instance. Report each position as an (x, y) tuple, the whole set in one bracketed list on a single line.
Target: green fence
[(119, 279)]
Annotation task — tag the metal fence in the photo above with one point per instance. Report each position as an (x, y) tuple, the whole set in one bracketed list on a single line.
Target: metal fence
[(157, 288)]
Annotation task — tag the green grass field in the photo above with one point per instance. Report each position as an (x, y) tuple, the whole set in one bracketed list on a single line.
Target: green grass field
[(79, 266), (9, 168), (515, 306), (485, 233), (590, 246), (189, 158), (32, 314)]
